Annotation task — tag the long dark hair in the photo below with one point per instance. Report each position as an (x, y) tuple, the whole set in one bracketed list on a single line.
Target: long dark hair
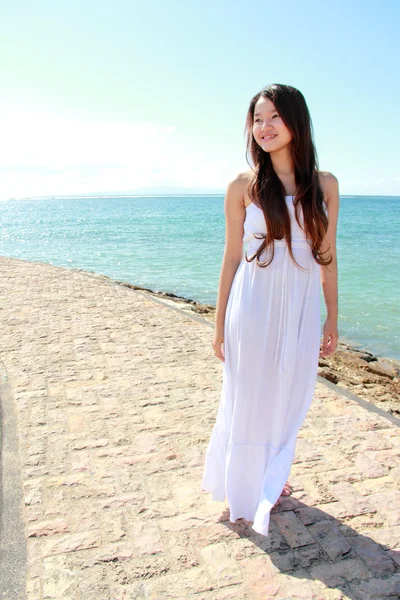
[(267, 191)]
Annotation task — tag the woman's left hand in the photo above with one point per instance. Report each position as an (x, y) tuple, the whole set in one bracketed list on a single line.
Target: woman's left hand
[(330, 337)]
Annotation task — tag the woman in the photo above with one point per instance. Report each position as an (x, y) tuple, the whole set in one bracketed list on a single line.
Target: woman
[(267, 323)]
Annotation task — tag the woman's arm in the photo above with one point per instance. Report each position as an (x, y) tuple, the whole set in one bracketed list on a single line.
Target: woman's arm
[(234, 219), (329, 273)]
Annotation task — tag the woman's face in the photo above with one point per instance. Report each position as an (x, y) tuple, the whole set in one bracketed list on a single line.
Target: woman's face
[(269, 131)]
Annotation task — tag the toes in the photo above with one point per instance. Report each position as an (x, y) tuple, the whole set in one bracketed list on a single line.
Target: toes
[(277, 502), (225, 515), (287, 489)]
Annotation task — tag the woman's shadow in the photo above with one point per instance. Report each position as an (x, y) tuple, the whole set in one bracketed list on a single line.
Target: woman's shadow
[(306, 542)]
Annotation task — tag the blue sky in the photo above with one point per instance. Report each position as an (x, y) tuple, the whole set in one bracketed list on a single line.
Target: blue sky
[(99, 96)]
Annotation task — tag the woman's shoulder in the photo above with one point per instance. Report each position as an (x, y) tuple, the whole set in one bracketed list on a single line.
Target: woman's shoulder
[(328, 182), (241, 183), (326, 177), (245, 177), (329, 185)]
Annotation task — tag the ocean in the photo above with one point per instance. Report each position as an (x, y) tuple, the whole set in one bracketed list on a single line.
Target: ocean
[(176, 244)]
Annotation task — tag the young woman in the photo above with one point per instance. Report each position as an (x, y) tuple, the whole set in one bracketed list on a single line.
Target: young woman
[(267, 324)]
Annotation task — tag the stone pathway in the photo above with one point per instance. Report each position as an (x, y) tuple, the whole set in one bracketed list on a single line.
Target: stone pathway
[(116, 395)]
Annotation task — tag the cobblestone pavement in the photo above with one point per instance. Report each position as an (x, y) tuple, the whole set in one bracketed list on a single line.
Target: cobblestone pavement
[(116, 395)]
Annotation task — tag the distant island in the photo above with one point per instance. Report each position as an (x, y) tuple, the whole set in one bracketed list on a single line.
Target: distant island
[(144, 191), (160, 191)]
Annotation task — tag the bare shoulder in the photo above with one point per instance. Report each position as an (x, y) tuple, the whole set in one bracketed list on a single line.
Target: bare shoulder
[(238, 186), (245, 177), (330, 186), (244, 180)]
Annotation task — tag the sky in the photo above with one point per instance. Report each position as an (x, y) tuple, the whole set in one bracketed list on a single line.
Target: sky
[(116, 96)]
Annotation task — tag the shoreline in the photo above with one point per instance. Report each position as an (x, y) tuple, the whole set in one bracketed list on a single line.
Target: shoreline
[(371, 377)]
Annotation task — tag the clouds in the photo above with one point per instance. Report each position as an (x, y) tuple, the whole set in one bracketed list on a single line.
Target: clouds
[(44, 154)]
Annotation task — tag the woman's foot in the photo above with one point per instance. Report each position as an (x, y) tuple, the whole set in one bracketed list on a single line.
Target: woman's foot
[(226, 514), (287, 490)]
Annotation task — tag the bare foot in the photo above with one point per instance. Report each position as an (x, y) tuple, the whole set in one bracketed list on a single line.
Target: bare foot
[(287, 489), (226, 514)]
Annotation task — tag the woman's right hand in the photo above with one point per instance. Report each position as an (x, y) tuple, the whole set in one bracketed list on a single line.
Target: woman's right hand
[(218, 345)]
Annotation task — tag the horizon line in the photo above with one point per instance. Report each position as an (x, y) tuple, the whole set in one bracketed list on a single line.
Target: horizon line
[(160, 194)]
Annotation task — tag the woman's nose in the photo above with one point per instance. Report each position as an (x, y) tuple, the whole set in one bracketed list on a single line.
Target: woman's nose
[(266, 124)]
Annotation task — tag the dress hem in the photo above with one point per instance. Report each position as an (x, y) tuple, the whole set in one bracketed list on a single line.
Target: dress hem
[(274, 471)]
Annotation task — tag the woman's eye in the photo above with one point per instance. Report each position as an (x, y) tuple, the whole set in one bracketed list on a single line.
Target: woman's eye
[(275, 115)]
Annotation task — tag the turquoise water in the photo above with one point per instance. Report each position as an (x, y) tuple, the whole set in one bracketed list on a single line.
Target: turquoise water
[(176, 244)]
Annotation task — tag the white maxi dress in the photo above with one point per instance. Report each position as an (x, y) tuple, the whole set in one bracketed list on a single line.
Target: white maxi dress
[(271, 342)]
